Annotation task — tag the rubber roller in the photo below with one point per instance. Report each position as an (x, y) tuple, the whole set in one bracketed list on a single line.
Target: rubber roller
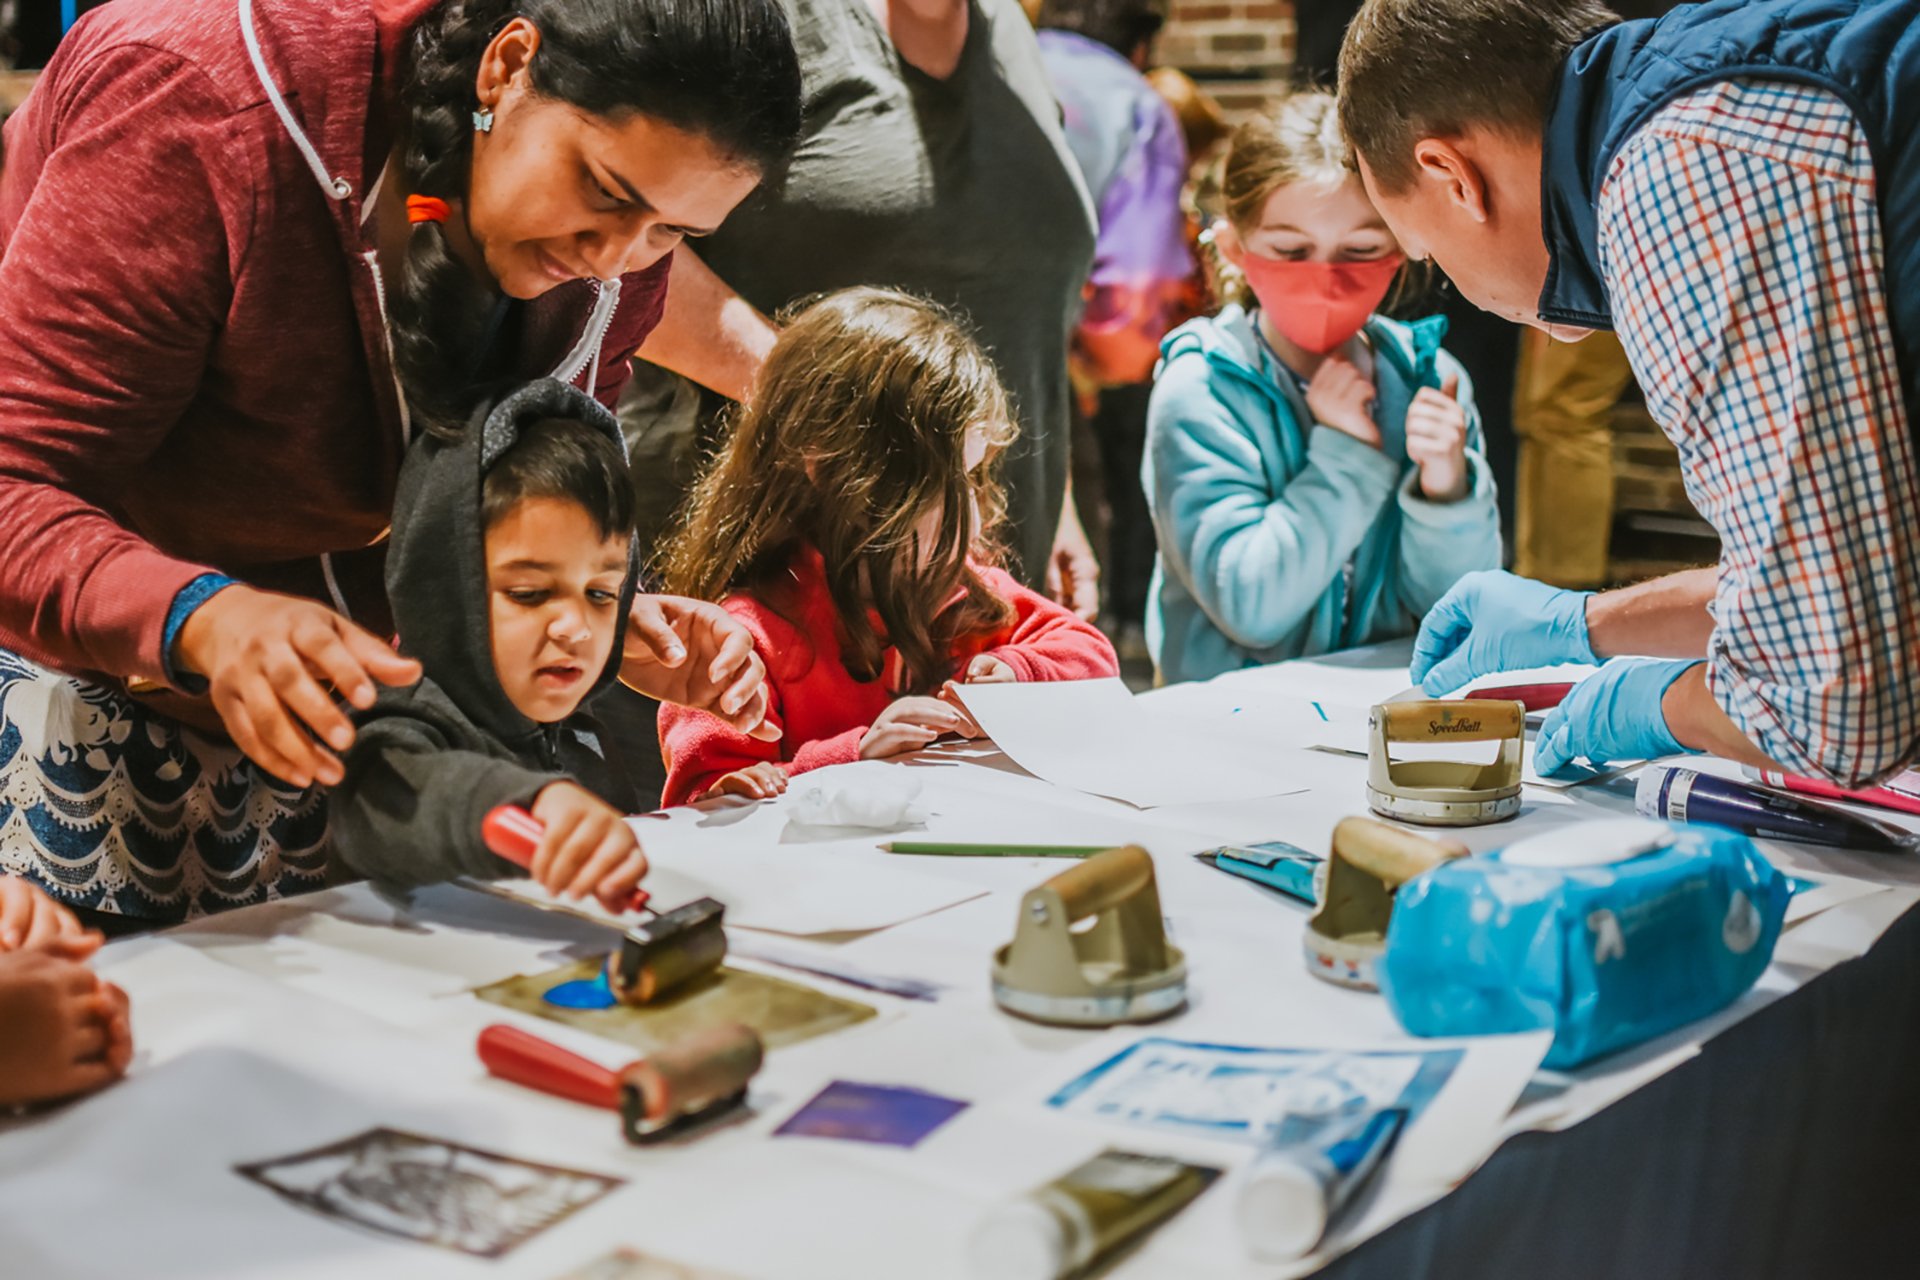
[(685, 1084), (657, 956)]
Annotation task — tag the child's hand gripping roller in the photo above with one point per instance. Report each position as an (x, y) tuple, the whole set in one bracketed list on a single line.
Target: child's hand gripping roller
[(656, 956)]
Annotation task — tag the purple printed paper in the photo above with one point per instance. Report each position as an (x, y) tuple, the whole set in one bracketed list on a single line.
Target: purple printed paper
[(890, 1115)]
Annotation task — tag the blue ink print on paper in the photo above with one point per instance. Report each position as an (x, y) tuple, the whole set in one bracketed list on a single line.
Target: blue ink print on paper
[(1237, 1092), (582, 993), (890, 1115)]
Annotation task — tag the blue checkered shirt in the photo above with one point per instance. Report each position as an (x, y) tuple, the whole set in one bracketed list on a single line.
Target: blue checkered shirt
[(1740, 242)]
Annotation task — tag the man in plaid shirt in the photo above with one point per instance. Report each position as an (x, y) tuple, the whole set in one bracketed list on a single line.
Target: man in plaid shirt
[(1733, 189)]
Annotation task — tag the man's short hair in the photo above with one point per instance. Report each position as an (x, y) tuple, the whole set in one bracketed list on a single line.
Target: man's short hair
[(1413, 69)]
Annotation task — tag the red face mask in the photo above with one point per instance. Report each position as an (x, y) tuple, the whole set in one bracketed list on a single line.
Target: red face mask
[(1319, 305)]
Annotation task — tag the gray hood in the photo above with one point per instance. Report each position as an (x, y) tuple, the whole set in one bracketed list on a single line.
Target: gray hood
[(436, 563)]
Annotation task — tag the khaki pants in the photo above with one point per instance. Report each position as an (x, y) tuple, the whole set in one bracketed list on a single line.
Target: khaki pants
[(1563, 400)]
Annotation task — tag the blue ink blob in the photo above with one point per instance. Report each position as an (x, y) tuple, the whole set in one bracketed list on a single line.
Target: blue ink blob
[(583, 993)]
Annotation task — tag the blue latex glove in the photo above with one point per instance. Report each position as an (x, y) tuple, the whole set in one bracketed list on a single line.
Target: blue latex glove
[(1614, 714), (1493, 621)]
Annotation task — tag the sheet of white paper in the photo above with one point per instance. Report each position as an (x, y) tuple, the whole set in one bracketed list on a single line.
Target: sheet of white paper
[(1449, 1139), (1095, 736), (779, 888), (1826, 894), (780, 894)]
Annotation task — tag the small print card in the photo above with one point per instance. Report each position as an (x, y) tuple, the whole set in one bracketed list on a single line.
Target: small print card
[(890, 1115), (631, 1264), (1247, 1094), (429, 1190)]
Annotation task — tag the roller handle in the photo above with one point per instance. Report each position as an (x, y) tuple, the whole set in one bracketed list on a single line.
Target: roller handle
[(1534, 697), (1450, 720), (514, 834), (525, 1059), (1105, 880), (1389, 853)]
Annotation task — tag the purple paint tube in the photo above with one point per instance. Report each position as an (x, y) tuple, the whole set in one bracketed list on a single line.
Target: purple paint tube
[(1687, 795)]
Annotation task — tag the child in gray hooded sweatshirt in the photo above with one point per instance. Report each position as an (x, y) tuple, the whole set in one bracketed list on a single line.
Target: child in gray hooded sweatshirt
[(511, 571)]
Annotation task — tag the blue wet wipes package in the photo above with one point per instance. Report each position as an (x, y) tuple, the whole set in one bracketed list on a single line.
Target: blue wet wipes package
[(1607, 933)]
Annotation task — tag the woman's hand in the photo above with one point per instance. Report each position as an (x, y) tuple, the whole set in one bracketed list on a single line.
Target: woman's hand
[(909, 724), (587, 847), (698, 655), (1437, 441), (29, 918), (268, 659), (1073, 574), (761, 781), (1341, 397)]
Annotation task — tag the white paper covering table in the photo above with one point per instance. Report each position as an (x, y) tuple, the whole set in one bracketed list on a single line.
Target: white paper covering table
[(288, 1026)]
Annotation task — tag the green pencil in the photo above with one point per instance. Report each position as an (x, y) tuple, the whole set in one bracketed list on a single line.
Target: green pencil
[(996, 850)]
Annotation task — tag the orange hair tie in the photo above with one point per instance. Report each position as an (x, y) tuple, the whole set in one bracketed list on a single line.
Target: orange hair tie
[(427, 209)]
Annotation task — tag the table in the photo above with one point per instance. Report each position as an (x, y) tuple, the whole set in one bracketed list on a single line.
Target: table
[(1767, 1141)]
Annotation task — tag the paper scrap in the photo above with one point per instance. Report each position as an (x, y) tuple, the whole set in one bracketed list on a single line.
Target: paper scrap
[(888, 1115), (425, 1189), (874, 800), (1095, 736)]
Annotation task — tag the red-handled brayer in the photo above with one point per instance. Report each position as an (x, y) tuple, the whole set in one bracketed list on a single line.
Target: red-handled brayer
[(1534, 697), (656, 956), (668, 1092)]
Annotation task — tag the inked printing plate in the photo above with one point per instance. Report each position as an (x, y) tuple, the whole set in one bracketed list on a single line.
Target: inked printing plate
[(426, 1189)]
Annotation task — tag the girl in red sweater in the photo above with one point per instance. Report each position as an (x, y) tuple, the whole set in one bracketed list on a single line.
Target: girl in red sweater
[(848, 521)]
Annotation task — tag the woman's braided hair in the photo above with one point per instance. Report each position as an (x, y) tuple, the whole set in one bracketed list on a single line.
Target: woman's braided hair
[(723, 69)]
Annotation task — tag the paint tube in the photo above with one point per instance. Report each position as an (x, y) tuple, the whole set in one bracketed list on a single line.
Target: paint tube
[(1686, 795), (1276, 864), (1082, 1217), (1900, 792), (1294, 1189)]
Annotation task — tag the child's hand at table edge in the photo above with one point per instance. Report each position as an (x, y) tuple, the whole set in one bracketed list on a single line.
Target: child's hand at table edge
[(587, 847), (761, 781), (909, 724), (29, 918), (66, 1030)]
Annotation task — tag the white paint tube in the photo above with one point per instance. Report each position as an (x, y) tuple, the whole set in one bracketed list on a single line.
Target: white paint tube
[(1293, 1190)]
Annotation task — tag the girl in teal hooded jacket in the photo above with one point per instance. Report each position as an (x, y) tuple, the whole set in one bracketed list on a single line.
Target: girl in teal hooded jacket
[(1314, 470)]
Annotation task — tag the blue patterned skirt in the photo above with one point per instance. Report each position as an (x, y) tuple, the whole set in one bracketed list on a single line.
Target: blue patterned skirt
[(106, 803)]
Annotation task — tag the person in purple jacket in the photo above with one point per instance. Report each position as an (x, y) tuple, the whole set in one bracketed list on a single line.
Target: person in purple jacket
[(1131, 154)]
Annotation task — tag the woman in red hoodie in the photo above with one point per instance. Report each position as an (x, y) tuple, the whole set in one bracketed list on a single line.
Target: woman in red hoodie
[(849, 522), (247, 249)]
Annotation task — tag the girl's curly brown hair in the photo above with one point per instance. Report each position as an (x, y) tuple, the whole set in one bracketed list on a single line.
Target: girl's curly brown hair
[(854, 435)]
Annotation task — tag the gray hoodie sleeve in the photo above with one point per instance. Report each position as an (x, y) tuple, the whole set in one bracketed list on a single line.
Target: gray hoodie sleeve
[(409, 810)]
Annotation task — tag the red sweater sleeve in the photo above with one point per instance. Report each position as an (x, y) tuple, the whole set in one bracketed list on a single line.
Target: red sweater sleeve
[(700, 748), (1047, 641), (124, 211)]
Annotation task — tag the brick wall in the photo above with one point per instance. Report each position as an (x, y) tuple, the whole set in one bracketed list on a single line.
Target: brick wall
[(1241, 51)]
